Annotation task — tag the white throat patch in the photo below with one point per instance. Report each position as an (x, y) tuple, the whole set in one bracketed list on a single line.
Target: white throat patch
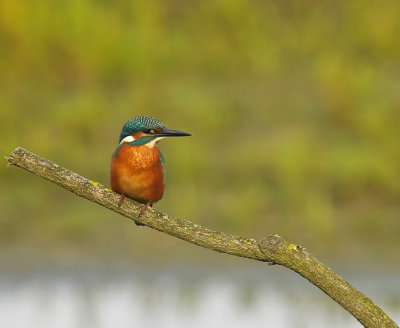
[(149, 144), (153, 142), (127, 139)]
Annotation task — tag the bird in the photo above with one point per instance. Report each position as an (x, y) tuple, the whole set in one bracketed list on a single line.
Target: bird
[(137, 166)]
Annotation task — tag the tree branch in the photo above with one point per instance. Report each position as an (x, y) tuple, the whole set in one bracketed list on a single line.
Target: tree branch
[(271, 249)]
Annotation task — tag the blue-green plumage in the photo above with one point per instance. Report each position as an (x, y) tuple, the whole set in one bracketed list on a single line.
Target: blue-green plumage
[(139, 142), (162, 161), (140, 124)]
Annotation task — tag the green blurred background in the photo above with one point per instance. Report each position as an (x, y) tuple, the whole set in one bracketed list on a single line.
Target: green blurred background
[(294, 108)]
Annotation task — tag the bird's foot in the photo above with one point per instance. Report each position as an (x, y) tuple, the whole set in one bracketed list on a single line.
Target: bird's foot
[(121, 200), (143, 209)]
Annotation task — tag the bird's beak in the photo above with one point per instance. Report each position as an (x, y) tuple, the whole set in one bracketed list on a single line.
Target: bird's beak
[(171, 133)]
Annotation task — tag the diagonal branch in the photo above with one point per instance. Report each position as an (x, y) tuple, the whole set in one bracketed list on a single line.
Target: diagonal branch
[(271, 249)]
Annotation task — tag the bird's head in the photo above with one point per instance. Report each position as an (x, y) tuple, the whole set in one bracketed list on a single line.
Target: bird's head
[(144, 130)]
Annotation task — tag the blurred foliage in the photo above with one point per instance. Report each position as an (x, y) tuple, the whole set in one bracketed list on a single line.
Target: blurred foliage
[(294, 109)]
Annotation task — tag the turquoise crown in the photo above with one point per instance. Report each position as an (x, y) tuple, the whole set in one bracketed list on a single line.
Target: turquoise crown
[(140, 124)]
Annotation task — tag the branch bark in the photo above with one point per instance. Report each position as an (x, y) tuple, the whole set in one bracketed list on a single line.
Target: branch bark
[(272, 248)]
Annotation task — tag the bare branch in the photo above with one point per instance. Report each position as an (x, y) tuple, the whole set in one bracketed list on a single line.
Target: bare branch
[(272, 248)]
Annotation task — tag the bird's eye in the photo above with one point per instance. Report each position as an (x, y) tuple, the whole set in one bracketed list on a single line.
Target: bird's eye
[(149, 131)]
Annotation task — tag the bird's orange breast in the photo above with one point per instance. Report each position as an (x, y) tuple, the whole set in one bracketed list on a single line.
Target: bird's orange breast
[(137, 171)]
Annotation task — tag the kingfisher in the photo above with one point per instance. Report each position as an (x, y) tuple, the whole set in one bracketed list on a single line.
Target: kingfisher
[(137, 166)]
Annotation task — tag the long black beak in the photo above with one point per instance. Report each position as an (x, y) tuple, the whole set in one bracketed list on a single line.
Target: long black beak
[(171, 133)]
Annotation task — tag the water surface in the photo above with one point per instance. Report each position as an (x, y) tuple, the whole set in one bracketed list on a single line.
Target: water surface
[(194, 298)]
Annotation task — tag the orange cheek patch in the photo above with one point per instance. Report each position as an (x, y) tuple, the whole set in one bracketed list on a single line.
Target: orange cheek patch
[(138, 135)]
